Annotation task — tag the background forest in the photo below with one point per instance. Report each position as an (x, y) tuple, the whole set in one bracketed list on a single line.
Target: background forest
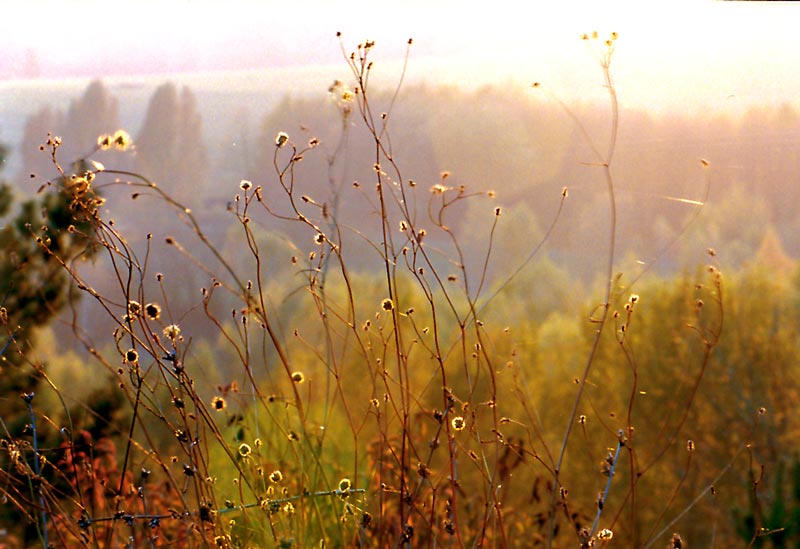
[(312, 374)]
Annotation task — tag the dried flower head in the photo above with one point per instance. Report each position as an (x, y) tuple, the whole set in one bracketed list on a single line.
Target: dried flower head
[(345, 485), (605, 534), (281, 139), (245, 450), (131, 356), (245, 184), (218, 403), (105, 142), (275, 476), (153, 311), (458, 423), (134, 308), (387, 304), (122, 140), (298, 377), (172, 331)]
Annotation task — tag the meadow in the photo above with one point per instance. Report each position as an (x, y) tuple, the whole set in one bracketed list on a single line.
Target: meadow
[(399, 359)]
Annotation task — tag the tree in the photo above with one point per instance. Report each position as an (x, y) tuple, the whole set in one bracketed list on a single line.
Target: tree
[(170, 147), (34, 286)]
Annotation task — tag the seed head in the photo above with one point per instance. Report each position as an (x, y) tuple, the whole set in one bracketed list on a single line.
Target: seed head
[(153, 311), (218, 403)]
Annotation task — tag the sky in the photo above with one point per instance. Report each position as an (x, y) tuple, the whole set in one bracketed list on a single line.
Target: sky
[(697, 52)]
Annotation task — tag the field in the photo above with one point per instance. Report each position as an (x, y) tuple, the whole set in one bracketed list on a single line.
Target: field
[(399, 316)]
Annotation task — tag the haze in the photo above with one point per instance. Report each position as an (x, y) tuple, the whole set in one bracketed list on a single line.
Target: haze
[(684, 55)]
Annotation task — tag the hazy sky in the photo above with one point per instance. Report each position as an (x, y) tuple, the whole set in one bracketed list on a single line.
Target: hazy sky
[(694, 51)]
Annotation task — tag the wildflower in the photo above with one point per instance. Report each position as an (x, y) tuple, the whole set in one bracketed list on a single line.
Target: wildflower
[(605, 534), (245, 184), (298, 377), (122, 140), (458, 423), (153, 311), (172, 331), (132, 356), (281, 139), (218, 403), (387, 304), (275, 476), (104, 142), (244, 450)]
